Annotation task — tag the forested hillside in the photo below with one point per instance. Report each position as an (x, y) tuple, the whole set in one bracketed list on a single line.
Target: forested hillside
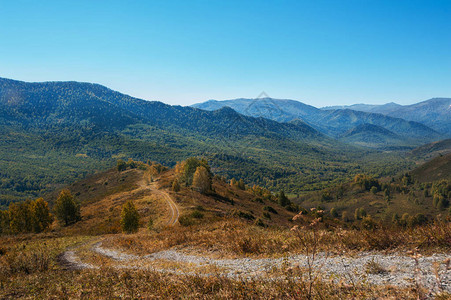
[(55, 132)]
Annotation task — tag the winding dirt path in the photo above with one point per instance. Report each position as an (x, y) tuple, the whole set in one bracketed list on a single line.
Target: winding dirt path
[(175, 213), (70, 261), (395, 270)]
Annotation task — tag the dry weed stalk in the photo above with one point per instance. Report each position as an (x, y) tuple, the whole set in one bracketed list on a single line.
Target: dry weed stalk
[(310, 239)]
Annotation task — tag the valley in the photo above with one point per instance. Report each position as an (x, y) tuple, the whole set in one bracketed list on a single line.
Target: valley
[(47, 142), (234, 235), (168, 198)]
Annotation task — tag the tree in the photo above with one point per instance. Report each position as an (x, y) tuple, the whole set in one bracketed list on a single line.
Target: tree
[(283, 200), (241, 185), (373, 190), (437, 198), (202, 180), (395, 219), (41, 217), (233, 182), (368, 223), (442, 203), (345, 216), (357, 214), (362, 212), (20, 218), (333, 212), (121, 165), (4, 221), (175, 186), (186, 169), (387, 195), (404, 219), (66, 209), (129, 218), (131, 164), (366, 182)]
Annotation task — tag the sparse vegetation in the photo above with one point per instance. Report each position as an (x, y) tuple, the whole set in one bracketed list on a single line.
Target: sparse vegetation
[(373, 267)]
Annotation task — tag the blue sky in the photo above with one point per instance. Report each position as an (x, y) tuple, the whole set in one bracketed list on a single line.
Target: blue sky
[(182, 52)]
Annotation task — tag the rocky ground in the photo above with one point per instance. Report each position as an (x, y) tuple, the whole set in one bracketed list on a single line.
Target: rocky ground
[(432, 272)]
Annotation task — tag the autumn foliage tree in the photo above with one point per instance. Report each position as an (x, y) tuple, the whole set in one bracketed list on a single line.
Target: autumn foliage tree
[(202, 180), (26, 216), (175, 186), (20, 219), (129, 218), (185, 170), (42, 218), (66, 209)]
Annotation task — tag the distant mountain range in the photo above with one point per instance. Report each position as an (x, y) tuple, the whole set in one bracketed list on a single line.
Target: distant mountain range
[(435, 113), (336, 122)]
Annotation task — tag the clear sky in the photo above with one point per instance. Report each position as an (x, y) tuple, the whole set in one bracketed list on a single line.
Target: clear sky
[(182, 52)]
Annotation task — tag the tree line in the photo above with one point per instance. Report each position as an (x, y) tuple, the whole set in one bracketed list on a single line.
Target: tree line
[(35, 216)]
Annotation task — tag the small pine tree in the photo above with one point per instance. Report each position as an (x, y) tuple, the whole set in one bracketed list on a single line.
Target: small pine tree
[(202, 180), (175, 186), (129, 218), (66, 209)]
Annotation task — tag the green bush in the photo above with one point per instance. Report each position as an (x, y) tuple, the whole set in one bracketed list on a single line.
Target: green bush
[(129, 218), (197, 214), (186, 220)]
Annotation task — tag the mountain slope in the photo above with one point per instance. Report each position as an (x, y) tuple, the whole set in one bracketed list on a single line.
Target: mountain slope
[(56, 132), (331, 122), (431, 150), (374, 136), (435, 169)]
